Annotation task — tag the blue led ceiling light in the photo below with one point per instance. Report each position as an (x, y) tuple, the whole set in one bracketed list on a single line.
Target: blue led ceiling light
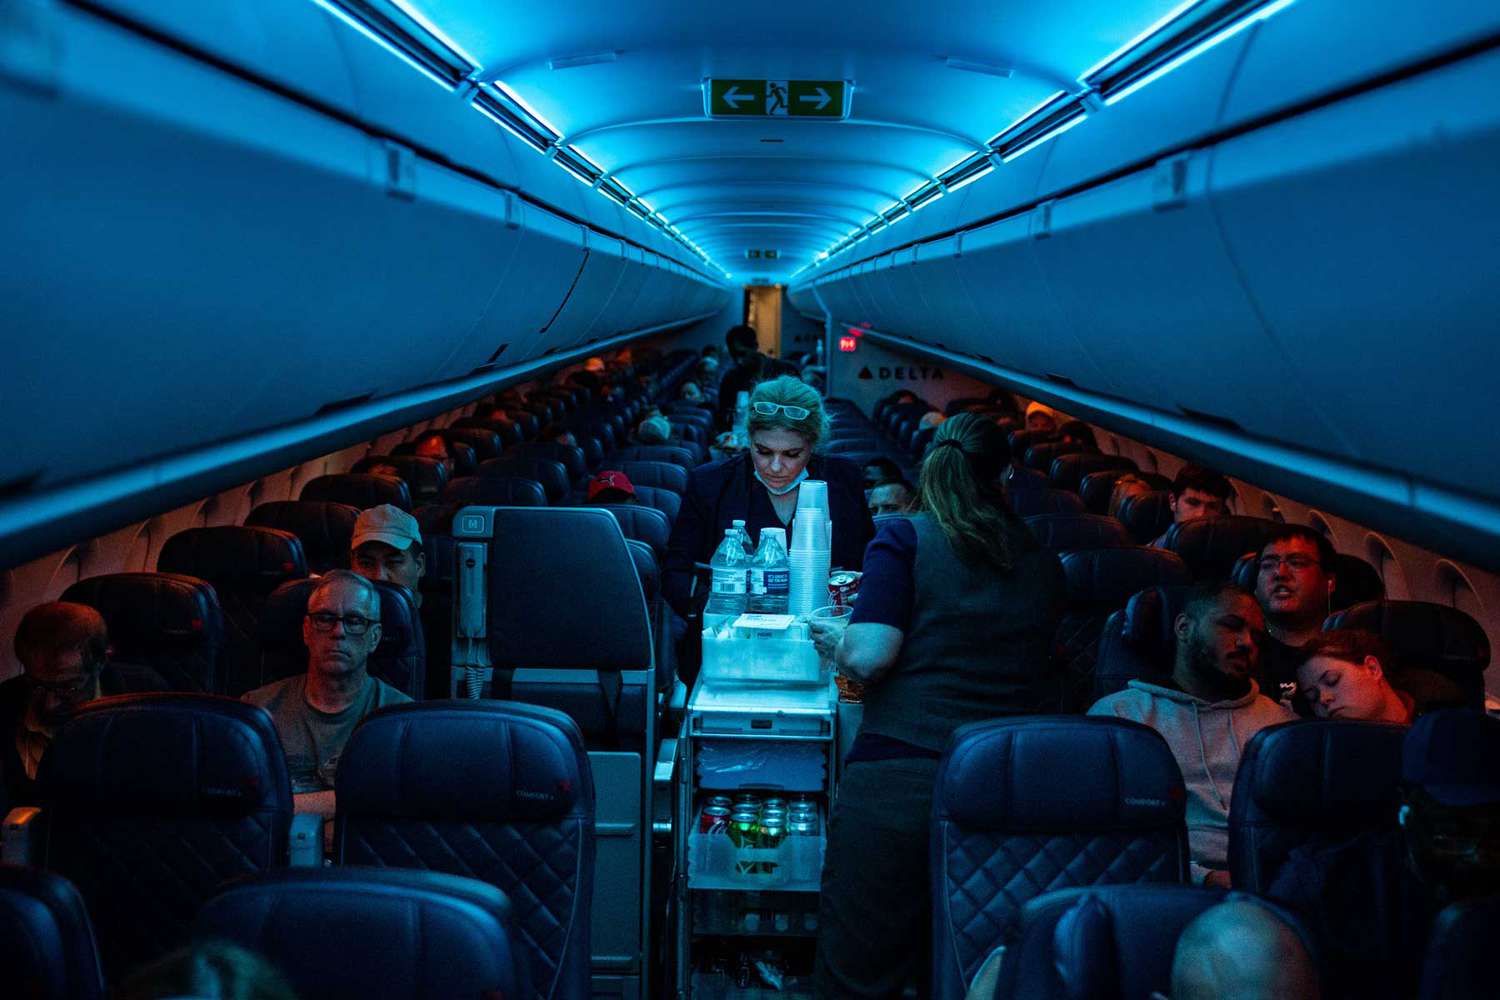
[(1187, 31)]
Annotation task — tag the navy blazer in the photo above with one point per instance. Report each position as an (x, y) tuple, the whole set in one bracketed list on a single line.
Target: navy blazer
[(727, 490)]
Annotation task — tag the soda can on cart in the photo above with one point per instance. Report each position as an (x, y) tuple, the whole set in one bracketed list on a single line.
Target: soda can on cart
[(774, 803), (722, 801), (802, 826), (772, 833), (744, 834), (714, 819), (842, 586), (746, 800)]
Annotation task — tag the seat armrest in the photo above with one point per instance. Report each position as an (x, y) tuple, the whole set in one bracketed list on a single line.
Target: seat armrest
[(22, 839), (306, 841)]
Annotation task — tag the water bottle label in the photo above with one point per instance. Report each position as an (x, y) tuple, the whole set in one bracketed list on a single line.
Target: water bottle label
[(758, 582), (729, 583), (778, 581)]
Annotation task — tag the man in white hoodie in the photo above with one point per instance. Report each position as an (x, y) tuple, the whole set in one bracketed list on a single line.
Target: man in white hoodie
[(1207, 712)]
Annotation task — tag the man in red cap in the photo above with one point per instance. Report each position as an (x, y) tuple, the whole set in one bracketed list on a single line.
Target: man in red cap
[(611, 486)]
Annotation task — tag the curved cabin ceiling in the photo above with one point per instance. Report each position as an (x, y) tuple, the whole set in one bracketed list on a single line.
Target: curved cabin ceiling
[(932, 84)]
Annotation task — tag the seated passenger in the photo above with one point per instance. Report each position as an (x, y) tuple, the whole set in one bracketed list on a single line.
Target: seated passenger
[(891, 498), (954, 624), (932, 418), (1207, 712), (1345, 674), (558, 434), (654, 430), (690, 392), (750, 367), (62, 648), (376, 467), (1240, 950), (1196, 493), (1370, 901), (1129, 485), (434, 445), (316, 712), (387, 546), (878, 471), (1040, 417), (1294, 585), (611, 486), (1078, 432)]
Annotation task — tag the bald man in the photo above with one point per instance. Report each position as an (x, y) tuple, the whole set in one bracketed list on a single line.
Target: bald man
[(1242, 951)]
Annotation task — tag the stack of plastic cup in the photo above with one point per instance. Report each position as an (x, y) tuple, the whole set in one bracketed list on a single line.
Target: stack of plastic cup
[(810, 555)]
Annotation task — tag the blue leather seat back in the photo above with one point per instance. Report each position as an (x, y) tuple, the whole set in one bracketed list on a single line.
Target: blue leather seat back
[(47, 946), (484, 440), (492, 790), (1100, 582), (1041, 455), (324, 529), (1146, 515), (1310, 782), (656, 453), (852, 444), (1068, 471), (496, 491), (1461, 951), (244, 565), (1103, 941), (552, 475), (1028, 502), (424, 477), (1427, 637), (642, 524), (1021, 440), (153, 802), (1067, 530), (570, 457), (352, 934), (1018, 477), (170, 623), (1138, 643), (358, 489), (1211, 546), (666, 501), (400, 660), (590, 443), (657, 475), (1027, 805), (506, 430), (647, 569)]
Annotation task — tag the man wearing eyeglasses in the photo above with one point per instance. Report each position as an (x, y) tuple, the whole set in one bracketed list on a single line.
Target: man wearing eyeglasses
[(62, 648), (316, 712), (1294, 584)]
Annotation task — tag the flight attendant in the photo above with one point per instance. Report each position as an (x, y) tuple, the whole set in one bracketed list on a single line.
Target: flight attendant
[(953, 624), (761, 488)]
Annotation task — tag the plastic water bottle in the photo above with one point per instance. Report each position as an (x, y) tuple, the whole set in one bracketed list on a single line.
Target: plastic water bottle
[(730, 565), (739, 526), (770, 575)]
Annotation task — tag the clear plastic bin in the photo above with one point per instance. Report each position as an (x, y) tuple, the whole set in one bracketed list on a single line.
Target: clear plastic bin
[(750, 661), (714, 862)]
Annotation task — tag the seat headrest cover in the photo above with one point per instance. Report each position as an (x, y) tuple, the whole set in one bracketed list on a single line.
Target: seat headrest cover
[(324, 527), (146, 610), (187, 754), (235, 557), (1324, 772), (1109, 577), (1422, 634), (1149, 616), (508, 491), (472, 761), (46, 939), (1049, 773), (645, 524), (358, 489)]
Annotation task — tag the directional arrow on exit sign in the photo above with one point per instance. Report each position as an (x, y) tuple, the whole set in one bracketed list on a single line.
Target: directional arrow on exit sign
[(777, 98)]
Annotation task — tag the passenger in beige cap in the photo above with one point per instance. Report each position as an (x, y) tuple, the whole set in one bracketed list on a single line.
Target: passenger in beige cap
[(387, 545)]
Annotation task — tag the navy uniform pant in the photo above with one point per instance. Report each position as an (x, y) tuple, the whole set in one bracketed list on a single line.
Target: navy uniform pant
[(875, 911)]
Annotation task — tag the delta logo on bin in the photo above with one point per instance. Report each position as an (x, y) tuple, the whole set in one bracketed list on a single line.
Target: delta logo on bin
[(902, 373)]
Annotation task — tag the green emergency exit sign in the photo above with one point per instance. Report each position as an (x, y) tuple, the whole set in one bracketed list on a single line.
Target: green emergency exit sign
[(777, 98)]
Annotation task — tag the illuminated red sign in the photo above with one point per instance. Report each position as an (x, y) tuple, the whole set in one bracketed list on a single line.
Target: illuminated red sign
[(848, 344)]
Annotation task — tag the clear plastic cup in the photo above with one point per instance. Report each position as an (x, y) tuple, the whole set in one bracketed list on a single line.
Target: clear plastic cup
[(828, 622)]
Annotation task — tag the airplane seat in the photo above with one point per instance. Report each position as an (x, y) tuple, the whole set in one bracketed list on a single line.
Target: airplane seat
[(1017, 477), (47, 948), (358, 489), (553, 475), (1067, 471), (1074, 530), (1146, 515), (1460, 950), (570, 457), (1100, 582), (400, 659), (1097, 488), (1024, 806), (646, 569), (497, 490), (484, 441), (852, 445), (1041, 455), (243, 565), (516, 812), (424, 477), (591, 446), (501, 426), (642, 524), (1139, 643), (656, 453), (688, 413), (688, 431), (1021, 440), (355, 933), (920, 441), (153, 802), (1211, 546), (460, 453), (1102, 941), (168, 622), (1308, 783), (658, 475), (435, 522), (604, 432), (325, 529), (1355, 581), (1441, 652), (666, 501), (1027, 502)]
